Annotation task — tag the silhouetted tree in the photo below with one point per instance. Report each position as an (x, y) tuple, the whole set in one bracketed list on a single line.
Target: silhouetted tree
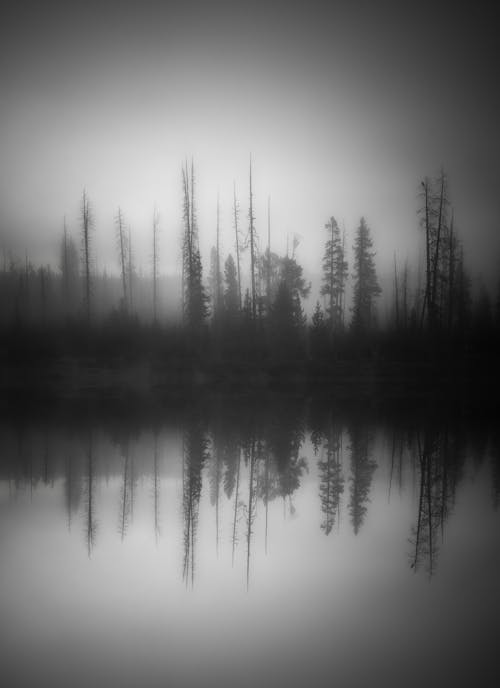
[(335, 272), (195, 298), (130, 270), (286, 318), (440, 250), (155, 264), (69, 270), (253, 248), (231, 298), (87, 226), (237, 241), (122, 254), (401, 306), (366, 286), (215, 285)]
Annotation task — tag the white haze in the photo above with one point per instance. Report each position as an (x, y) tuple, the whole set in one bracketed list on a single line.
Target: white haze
[(343, 112)]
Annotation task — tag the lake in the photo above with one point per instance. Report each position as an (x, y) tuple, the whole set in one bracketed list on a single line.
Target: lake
[(272, 540)]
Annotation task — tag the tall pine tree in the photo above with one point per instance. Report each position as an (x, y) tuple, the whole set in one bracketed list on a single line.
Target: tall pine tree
[(335, 271), (366, 286)]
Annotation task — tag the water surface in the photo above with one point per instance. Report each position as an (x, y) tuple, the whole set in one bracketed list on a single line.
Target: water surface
[(249, 543)]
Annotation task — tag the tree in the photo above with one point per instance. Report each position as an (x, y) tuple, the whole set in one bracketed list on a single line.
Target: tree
[(195, 299), (130, 269), (286, 317), (318, 333), (87, 226), (335, 272), (155, 264), (231, 295), (253, 248), (69, 269), (440, 252), (218, 302), (237, 241), (366, 286), (122, 255)]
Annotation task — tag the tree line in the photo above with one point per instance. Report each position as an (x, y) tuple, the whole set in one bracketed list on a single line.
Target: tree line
[(259, 313)]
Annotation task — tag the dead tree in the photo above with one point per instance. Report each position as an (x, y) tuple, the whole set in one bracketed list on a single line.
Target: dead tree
[(87, 226), (155, 265), (122, 254), (252, 239), (237, 241)]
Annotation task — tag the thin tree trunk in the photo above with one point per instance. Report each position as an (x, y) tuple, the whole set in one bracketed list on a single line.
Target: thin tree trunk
[(252, 246), (235, 207)]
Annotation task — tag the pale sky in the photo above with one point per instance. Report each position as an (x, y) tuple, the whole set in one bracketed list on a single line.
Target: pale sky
[(343, 110)]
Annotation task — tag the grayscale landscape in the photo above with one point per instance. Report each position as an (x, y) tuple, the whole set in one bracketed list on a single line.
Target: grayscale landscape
[(249, 336)]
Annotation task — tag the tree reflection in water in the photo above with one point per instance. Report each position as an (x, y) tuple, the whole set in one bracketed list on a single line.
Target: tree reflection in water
[(247, 455)]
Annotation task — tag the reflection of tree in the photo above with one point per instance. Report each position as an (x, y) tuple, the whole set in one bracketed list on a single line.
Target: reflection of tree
[(126, 493), (266, 485), (285, 437), (215, 478), (331, 479), (72, 488), (194, 456), (90, 519), (362, 468), (156, 486), (236, 507), (440, 461), (231, 458), (250, 459)]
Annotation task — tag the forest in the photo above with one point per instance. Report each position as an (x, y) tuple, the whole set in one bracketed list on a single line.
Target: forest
[(243, 320)]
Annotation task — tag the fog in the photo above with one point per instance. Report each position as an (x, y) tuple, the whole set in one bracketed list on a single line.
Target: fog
[(343, 110)]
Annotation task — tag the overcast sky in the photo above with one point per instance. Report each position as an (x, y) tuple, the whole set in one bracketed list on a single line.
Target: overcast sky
[(344, 111)]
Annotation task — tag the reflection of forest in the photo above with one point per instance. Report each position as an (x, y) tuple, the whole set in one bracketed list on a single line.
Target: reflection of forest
[(244, 456)]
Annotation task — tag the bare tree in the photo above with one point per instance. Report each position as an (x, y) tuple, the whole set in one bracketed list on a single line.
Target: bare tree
[(155, 264), (194, 296), (130, 271), (237, 240), (122, 253), (253, 248), (87, 226)]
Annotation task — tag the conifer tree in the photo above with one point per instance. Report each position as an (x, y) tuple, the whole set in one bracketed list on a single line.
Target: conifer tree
[(195, 301), (231, 297), (366, 286), (335, 271)]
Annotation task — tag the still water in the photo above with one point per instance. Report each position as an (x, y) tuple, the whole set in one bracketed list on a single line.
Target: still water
[(268, 542)]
